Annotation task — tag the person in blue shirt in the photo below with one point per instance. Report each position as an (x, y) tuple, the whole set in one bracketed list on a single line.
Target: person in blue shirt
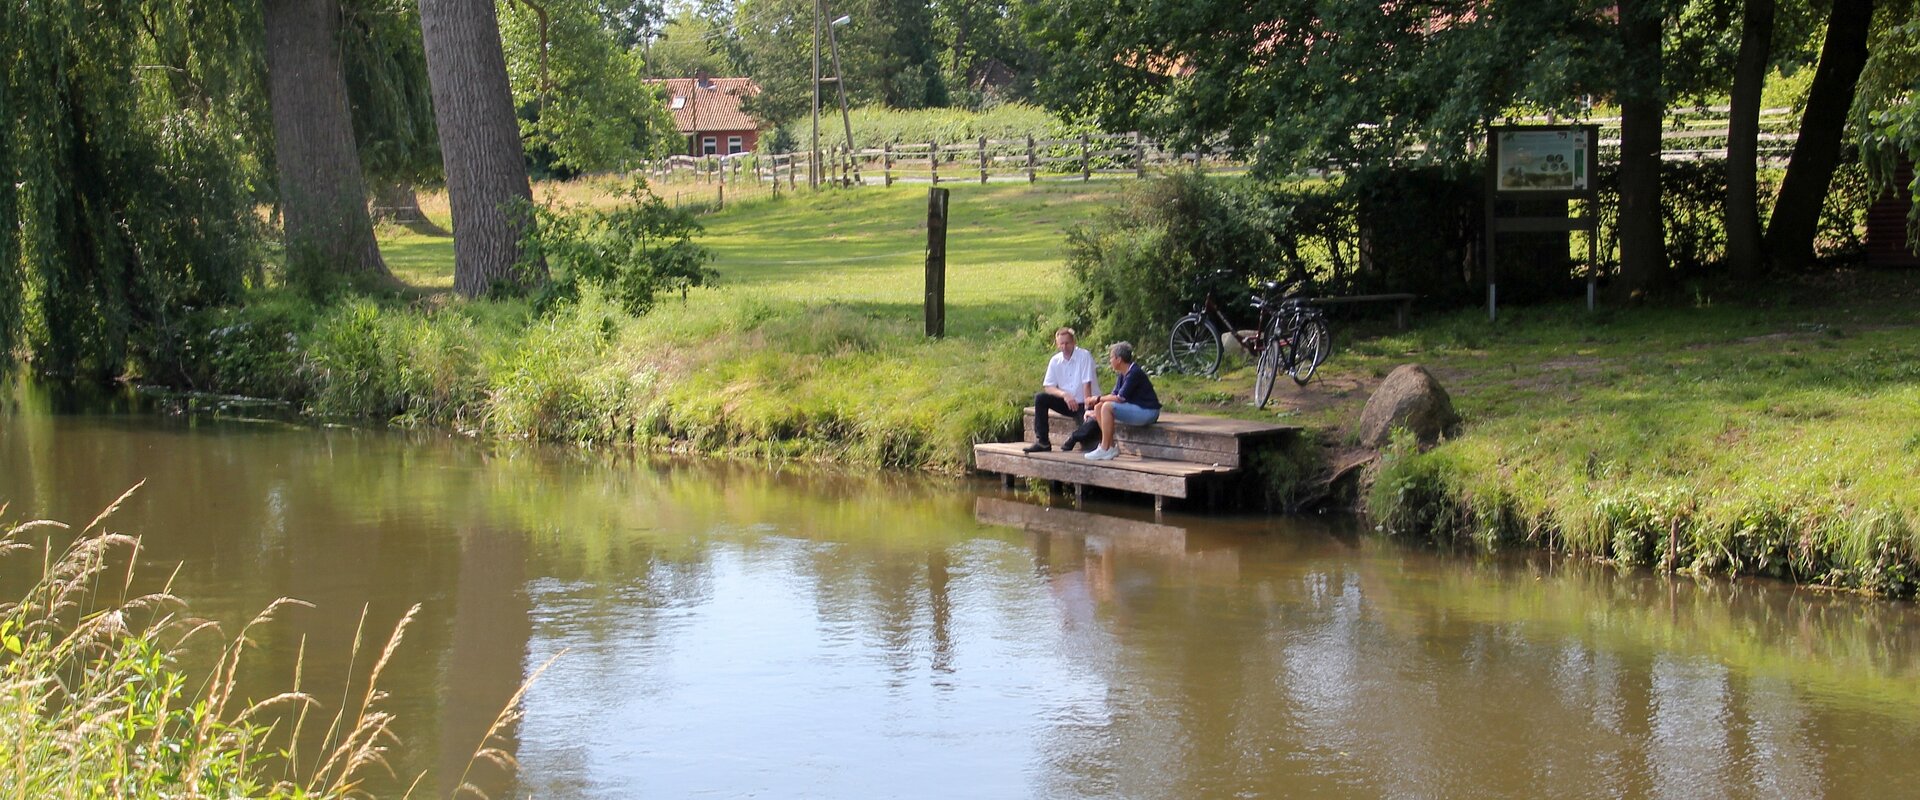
[(1133, 401)]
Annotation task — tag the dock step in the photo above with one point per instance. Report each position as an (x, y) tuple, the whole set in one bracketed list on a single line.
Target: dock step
[(1131, 473)]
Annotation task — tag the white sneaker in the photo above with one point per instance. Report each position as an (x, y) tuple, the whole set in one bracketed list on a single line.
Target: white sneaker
[(1102, 454)]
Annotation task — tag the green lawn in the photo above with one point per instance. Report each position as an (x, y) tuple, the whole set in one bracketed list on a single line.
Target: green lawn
[(866, 249)]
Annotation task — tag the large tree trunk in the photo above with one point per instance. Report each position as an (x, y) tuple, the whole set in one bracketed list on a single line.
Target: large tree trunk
[(323, 198), (1642, 234), (1743, 139), (486, 168), (1796, 213)]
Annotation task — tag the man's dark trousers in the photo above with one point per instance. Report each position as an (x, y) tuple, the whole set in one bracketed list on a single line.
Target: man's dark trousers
[(1044, 402)]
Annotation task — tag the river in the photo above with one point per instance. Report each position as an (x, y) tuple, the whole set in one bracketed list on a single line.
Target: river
[(742, 630)]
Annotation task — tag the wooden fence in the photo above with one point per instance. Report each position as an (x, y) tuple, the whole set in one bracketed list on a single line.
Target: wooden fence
[(1690, 134)]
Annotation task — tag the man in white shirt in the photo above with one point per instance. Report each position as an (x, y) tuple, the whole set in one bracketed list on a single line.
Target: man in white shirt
[(1070, 381)]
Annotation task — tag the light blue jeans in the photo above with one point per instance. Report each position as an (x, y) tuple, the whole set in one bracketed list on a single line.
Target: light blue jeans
[(1130, 414)]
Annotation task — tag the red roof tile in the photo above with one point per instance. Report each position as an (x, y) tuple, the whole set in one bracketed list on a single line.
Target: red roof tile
[(715, 101)]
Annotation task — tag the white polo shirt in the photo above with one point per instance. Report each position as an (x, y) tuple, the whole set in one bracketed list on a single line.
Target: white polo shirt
[(1073, 374)]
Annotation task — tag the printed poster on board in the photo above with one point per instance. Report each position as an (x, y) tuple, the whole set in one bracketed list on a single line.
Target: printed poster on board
[(1543, 161)]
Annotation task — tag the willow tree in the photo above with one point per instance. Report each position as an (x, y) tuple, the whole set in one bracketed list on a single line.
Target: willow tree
[(386, 70), (484, 163), (130, 129), (323, 198)]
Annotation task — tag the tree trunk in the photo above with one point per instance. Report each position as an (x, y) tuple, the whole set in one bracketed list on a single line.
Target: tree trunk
[(1796, 213), (1743, 140), (486, 168), (323, 198), (1642, 232)]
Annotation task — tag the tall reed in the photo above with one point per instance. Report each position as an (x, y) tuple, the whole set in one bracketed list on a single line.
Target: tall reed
[(95, 699)]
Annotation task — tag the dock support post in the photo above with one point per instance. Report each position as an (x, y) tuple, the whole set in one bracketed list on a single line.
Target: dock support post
[(1079, 494)]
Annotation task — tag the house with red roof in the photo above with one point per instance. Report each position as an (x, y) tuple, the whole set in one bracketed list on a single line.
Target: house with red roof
[(707, 111)]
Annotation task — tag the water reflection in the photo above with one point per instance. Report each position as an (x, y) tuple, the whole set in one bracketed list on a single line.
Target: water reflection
[(735, 630)]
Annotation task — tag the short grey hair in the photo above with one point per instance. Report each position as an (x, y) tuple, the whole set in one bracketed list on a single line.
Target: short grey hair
[(1122, 351)]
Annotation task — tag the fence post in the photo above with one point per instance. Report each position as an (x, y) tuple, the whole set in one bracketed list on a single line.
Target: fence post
[(935, 306), (1139, 155), (722, 195), (793, 182), (1086, 161), (933, 161), (983, 159), (1030, 175), (886, 163)]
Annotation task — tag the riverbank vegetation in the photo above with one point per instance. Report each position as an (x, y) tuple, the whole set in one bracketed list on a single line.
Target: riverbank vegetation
[(1719, 430), (110, 689)]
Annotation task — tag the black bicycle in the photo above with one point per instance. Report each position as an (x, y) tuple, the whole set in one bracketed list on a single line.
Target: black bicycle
[(1292, 336)]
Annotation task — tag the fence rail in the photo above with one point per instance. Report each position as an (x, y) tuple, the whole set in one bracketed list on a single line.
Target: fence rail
[(1690, 135)]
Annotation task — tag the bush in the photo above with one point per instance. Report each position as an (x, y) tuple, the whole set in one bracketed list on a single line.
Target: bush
[(634, 251), (1175, 237)]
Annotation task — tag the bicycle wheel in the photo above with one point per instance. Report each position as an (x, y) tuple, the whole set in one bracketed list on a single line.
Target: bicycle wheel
[(1194, 348), (1310, 348), (1268, 367)]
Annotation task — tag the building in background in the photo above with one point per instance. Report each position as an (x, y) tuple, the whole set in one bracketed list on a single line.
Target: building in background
[(707, 112)]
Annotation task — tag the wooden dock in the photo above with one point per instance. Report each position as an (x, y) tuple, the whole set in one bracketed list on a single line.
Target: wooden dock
[(1182, 456)]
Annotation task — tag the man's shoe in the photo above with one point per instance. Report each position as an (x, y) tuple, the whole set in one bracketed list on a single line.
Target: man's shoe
[(1036, 447)]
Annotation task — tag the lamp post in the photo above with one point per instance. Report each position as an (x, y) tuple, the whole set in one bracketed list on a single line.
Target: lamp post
[(840, 85), (813, 157)]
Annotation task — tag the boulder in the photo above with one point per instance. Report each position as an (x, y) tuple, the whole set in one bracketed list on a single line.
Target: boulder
[(1409, 398)]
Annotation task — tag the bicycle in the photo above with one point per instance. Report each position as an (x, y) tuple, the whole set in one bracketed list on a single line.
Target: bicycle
[(1291, 336)]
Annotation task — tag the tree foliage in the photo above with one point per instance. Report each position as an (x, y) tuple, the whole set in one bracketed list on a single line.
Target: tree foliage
[(1886, 112), (583, 100), (634, 252), (131, 136)]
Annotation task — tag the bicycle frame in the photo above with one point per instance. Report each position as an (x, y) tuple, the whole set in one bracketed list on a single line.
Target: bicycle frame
[(1257, 340)]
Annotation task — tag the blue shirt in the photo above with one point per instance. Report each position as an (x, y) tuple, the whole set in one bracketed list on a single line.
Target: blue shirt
[(1136, 388)]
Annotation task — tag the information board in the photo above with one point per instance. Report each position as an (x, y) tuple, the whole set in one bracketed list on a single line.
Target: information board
[(1544, 160)]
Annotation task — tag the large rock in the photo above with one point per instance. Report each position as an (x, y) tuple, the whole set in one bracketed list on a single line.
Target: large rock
[(1409, 398)]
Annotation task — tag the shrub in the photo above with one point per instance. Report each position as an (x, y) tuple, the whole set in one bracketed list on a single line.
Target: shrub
[(634, 251)]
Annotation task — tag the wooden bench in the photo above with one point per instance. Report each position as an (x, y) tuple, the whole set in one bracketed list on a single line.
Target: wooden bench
[(1403, 304), (1179, 456)]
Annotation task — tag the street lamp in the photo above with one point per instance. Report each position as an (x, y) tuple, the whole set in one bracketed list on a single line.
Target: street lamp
[(840, 82)]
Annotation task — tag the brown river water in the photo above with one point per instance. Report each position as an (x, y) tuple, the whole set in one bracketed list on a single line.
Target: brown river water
[(739, 630)]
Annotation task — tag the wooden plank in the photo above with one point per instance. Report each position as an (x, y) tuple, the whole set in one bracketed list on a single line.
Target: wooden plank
[(1361, 298), (1221, 451), (1192, 429), (1126, 473)]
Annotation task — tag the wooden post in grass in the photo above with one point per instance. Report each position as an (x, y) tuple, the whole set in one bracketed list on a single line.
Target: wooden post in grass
[(1030, 175), (983, 160), (1139, 155), (936, 300), (886, 163), (933, 161), (1086, 160)]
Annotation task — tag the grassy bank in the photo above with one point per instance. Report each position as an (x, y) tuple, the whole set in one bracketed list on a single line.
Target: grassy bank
[(1776, 439), (1769, 436), (809, 346)]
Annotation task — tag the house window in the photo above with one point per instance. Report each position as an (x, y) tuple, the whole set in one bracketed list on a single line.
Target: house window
[(679, 102), (708, 146), (733, 145)]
